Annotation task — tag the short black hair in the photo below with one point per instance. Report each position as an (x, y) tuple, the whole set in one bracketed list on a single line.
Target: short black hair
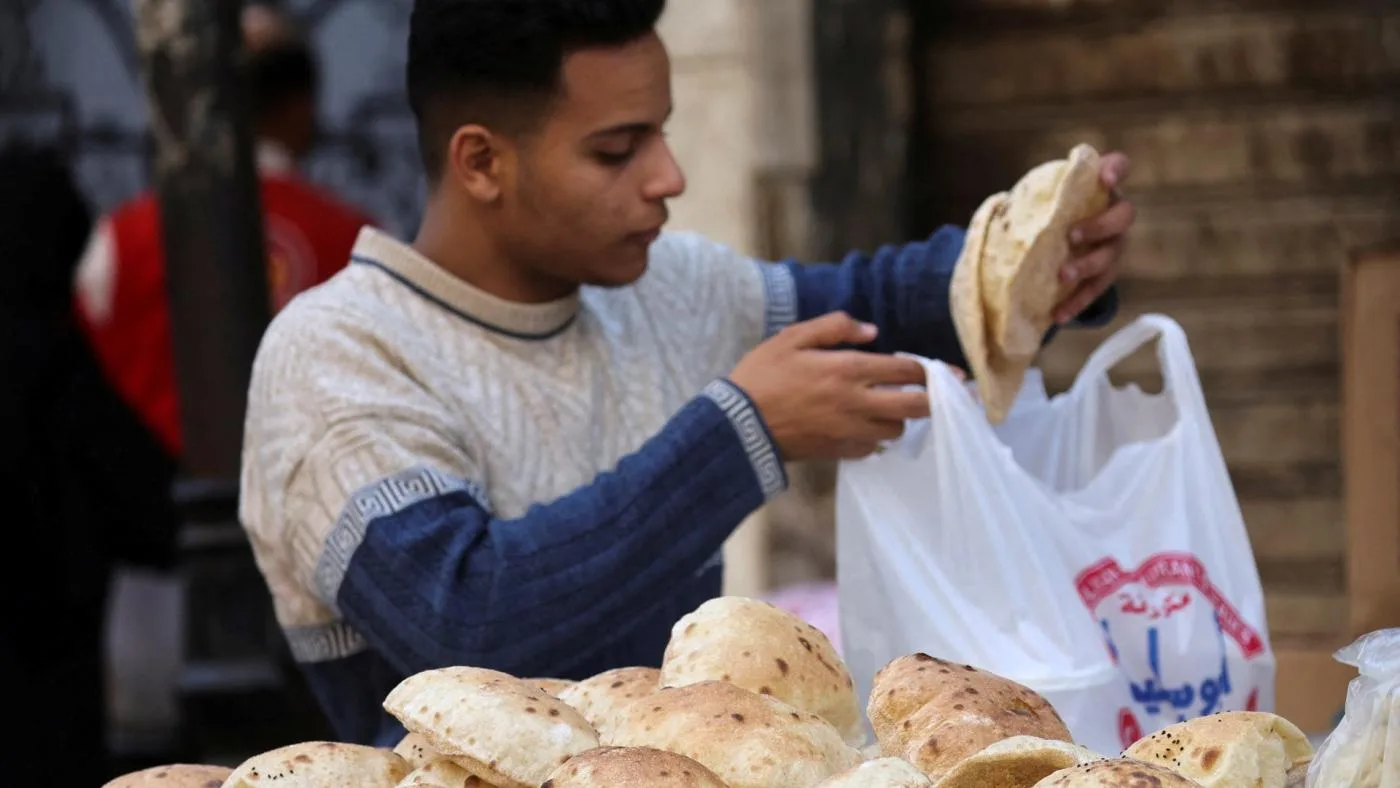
[(499, 61), (279, 73)]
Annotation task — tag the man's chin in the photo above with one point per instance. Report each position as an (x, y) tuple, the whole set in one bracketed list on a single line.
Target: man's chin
[(621, 273)]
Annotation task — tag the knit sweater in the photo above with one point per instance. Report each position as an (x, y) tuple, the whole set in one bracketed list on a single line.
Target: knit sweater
[(434, 476)]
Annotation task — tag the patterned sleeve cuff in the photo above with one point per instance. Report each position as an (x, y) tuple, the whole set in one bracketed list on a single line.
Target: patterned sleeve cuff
[(753, 435), (779, 297)]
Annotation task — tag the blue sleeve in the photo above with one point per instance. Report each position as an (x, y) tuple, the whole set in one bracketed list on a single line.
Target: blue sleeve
[(443, 582), (904, 291)]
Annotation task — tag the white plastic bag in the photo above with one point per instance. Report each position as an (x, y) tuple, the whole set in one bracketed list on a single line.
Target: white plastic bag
[(1364, 750), (1090, 547)]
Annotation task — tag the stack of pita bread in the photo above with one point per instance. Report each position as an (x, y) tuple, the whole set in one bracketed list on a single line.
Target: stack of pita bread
[(1007, 281), (749, 696)]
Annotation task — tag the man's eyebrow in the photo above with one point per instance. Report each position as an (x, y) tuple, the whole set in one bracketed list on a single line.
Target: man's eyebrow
[(636, 127)]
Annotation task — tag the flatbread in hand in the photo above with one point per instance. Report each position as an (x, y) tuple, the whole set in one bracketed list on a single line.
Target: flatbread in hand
[(1007, 284)]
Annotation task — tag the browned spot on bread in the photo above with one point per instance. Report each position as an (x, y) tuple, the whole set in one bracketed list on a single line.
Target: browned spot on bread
[(782, 666)]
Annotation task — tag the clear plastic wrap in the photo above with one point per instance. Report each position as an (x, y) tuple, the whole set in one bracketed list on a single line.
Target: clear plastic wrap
[(1364, 750)]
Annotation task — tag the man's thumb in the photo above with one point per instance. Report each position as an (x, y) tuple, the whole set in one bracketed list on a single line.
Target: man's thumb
[(831, 329)]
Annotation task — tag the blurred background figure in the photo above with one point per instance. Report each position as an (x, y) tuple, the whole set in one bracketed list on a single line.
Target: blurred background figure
[(120, 283), (84, 475)]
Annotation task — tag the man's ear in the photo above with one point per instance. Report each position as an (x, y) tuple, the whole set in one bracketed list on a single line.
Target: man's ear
[(474, 161)]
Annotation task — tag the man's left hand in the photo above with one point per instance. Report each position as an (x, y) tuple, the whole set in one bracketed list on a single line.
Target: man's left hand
[(1097, 244)]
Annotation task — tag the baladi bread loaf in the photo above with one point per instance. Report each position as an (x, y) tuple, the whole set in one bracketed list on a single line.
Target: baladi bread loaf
[(879, 773), (601, 698), (1017, 762), (414, 749), (1232, 748), (552, 686), (935, 713), (320, 763), (632, 767), (1006, 284), (497, 727), (442, 773), (749, 740), (1116, 773), (764, 649), (176, 775)]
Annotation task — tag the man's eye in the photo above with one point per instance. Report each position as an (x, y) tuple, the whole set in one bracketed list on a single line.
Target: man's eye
[(614, 158)]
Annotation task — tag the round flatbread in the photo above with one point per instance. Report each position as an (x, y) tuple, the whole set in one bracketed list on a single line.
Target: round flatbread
[(879, 773), (749, 740), (175, 775), (935, 713), (601, 698), (632, 767), (442, 773), (1231, 748), (1017, 762), (552, 686), (1116, 773), (319, 763), (764, 649), (1006, 284), (507, 732), (414, 749)]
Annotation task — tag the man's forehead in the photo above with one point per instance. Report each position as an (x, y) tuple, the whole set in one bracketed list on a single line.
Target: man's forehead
[(624, 84)]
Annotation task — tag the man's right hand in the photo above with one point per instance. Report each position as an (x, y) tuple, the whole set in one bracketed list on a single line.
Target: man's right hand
[(822, 403)]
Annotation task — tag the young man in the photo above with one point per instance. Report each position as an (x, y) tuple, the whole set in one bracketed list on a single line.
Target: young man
[(120, 283), (520, 442)]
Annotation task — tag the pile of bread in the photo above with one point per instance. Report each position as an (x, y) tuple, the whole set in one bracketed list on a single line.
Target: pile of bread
[(749, 696)]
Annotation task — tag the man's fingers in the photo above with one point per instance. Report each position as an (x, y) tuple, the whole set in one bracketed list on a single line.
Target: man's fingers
[(857, 449), (1097, 261), (894, 406), (1113, 169), (1110, 224), (829, 330), (1082, 297), (879, 369)]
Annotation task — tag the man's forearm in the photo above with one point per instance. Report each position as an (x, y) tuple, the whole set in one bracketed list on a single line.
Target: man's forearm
[(904, 291), (443, 582)]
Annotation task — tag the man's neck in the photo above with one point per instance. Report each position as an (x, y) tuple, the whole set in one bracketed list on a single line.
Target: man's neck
[(459, 246)]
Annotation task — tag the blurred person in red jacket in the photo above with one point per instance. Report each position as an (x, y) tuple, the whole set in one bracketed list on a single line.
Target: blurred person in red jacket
[(120, 282)]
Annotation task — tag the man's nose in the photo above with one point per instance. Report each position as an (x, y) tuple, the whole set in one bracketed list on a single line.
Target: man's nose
[(668, 180)]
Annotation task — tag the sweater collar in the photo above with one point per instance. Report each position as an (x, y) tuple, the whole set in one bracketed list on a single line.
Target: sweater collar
[(431, 281)]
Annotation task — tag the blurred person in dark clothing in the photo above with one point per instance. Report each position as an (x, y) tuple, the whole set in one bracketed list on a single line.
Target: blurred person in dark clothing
[(86, 477), (120, 283)]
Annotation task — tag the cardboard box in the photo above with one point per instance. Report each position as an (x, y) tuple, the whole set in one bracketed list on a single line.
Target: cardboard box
[(1311, 684), (1370, 337)]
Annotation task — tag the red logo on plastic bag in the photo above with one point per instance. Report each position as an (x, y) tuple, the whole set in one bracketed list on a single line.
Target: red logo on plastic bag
[(1128, 729), (1106, 578)]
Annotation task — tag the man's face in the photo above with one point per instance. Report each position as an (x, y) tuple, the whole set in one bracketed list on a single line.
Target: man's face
[(584, 195)]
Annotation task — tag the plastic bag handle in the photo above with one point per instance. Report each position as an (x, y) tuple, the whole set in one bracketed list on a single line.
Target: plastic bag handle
[(1173, 355)]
